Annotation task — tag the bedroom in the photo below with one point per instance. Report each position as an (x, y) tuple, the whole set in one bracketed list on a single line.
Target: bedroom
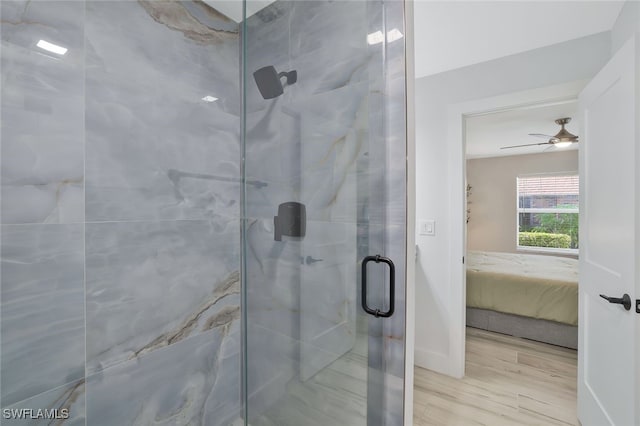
[(537, 76), (521, 297), (522, 224)]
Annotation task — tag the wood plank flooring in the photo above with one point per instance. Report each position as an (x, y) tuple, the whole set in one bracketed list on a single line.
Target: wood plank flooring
[(509, 381)]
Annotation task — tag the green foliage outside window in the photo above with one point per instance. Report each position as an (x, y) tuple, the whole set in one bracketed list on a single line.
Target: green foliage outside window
[(559, 223), (544, 239)]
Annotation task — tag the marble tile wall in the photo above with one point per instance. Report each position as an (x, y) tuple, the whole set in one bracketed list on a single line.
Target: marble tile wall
[(42, 113), (334, 141), (42, 209), (120, 212), (120, 204), (42, 308)]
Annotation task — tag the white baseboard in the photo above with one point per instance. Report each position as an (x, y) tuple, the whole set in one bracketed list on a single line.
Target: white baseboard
[(438, 362)]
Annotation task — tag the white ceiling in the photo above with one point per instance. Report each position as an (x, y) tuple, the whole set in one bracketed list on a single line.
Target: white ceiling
[(479, 31), (233, 8), (506, 27), (487, 133)]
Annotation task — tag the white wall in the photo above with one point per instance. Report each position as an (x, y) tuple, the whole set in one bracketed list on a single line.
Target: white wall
[(565, 62), (493, 199), (626, 25), (500, 28)]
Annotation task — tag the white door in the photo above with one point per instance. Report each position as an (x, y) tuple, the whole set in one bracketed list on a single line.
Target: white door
[(609, 212)]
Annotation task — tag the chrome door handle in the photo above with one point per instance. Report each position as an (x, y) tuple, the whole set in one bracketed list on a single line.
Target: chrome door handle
[(625, 300)]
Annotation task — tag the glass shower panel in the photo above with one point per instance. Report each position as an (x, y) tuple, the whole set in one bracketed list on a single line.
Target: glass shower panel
[(141, 171), (324, 151)]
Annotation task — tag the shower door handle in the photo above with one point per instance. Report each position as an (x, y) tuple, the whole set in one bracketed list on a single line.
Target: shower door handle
[(392, 286)]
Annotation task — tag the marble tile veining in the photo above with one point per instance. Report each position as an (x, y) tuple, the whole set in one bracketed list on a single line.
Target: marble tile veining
[(155, 149), (333, 141), (42, 105), (64, 405), (322, 170), (116, 161), (186, 383), (42, 309), (120, 135), (150, 285)]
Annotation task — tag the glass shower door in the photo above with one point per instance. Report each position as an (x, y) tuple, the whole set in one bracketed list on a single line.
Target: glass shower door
[(325, 171)]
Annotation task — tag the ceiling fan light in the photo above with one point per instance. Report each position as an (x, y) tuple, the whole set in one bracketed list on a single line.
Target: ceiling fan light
[(562, 144)]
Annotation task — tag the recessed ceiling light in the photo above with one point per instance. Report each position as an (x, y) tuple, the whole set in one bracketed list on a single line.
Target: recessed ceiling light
[(394, 35), (50, 47), (209, 98), (375, 38)]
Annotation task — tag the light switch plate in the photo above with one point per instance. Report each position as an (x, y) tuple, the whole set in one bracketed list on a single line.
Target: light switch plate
[(427, 227)]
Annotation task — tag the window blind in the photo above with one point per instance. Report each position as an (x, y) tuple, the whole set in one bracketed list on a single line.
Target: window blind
[(543, 192)]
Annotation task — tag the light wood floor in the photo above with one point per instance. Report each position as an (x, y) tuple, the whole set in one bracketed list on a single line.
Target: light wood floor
[(509, 381)]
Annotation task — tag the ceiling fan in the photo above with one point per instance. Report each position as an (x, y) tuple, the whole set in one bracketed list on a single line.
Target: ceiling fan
[(561, 140)]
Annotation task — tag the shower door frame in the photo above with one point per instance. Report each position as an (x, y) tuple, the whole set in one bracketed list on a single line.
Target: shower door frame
[(410, 223), (410, 267)]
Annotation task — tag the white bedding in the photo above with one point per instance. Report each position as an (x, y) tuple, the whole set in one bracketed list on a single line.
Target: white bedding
[(535, 286), (530, 265)]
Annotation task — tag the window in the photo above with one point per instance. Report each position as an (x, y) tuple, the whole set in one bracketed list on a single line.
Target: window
[(548, 212)]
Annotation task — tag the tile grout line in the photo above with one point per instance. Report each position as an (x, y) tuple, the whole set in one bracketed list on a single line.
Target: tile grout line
[(1, 286), (56, 388), (151, 221), (84, 199)]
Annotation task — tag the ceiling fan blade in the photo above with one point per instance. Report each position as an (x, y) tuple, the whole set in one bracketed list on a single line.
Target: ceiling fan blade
[(529, 144), (540, 135)]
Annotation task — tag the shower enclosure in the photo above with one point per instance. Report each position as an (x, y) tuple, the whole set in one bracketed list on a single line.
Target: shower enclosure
[(203, 212)]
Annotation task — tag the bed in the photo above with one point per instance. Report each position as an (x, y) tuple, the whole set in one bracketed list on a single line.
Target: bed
[(524, 295)]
